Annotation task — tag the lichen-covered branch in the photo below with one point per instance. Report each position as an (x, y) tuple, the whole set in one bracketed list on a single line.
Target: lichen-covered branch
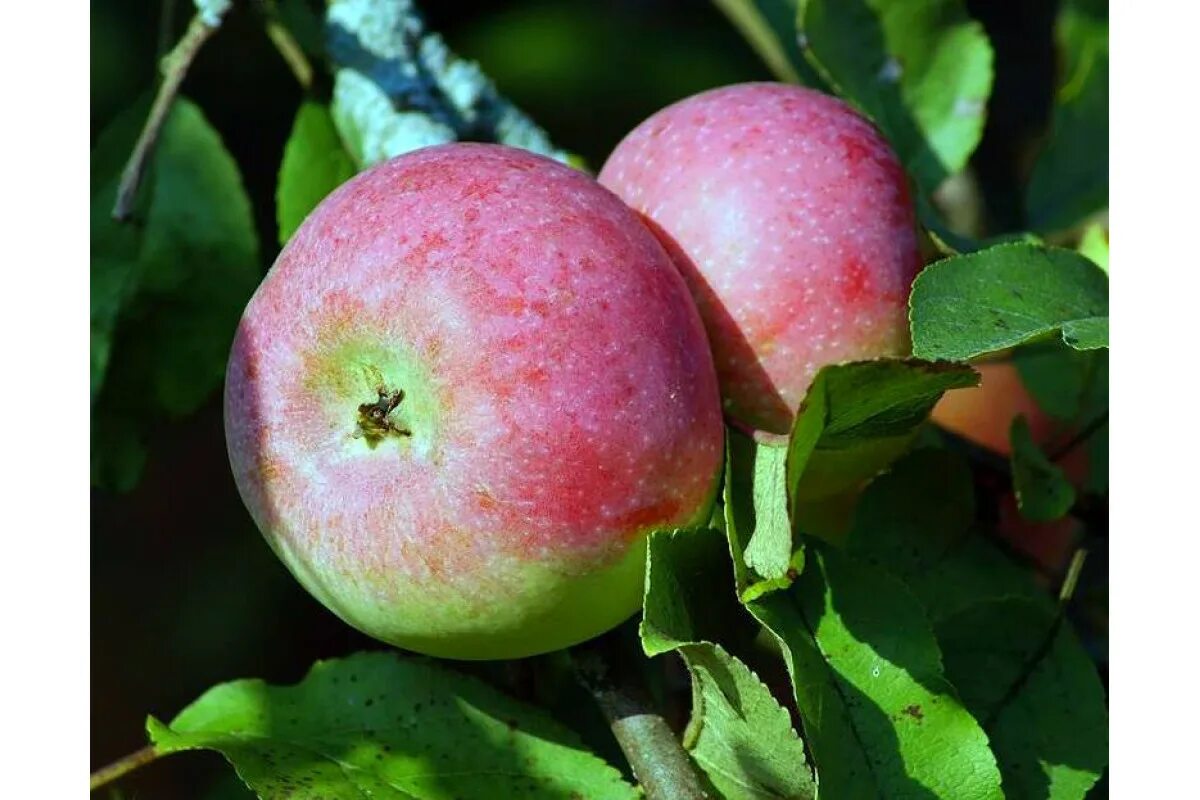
[(657, 758), (398, 87)]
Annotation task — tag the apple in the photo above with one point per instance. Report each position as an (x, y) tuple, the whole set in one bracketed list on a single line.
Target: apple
[(791, 219), (466, 391)]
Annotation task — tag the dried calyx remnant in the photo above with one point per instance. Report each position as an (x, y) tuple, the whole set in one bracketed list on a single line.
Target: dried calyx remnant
[(375, 418), (397, 87)]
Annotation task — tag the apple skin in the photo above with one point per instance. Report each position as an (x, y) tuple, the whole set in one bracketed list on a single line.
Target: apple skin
[(559, 402), (791, 219)]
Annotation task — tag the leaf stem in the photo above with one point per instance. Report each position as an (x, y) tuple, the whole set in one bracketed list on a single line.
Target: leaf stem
[(174, 69), (659, 762), (1067, 590), (123, 766), (286, 44)]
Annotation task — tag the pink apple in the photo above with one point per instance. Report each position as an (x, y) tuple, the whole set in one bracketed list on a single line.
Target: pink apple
[(791, 220), (466, 391)]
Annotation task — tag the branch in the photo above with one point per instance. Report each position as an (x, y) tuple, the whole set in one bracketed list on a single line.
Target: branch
[(122, 766), (174, 68), (1079, 438), (659, 762), (286, 44)]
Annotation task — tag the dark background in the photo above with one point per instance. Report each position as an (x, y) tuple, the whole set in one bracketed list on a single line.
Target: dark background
[(185, 593)]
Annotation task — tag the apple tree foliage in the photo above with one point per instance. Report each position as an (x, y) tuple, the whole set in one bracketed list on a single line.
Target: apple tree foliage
[(912, 655)]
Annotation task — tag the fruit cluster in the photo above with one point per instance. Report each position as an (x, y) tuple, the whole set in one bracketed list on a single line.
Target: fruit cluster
[(475, 379)]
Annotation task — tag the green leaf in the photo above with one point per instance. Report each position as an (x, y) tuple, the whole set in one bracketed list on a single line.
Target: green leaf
[(1070, 178), (1043, 491), (1094, 245), (739, 734), (690, 591), (921, 69), (112, 279), (1069, 385), (879, 715), (770, 550), (1072, 386), (916, 521), (1086, 334), (1098, 460), (990, 620), (118, 452), (858, 417), (1027, 675), (314, 164), (377, 725), (167, 290), (115, 269), (770, 28), (756, 494), (965, 306)]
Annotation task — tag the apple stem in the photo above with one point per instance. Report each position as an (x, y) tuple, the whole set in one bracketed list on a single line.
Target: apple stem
[(123, 766), (658, 760), (174, 68), (375, 420)]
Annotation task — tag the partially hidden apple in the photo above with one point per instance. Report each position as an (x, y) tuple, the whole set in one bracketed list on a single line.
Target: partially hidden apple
[(984, 416), (791, 219), (468, 388)]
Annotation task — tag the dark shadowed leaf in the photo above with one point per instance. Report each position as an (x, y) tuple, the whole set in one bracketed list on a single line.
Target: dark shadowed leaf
[(1037, 690), (1070, 177), (1043, 491), (168, 288), (858, 417), (921, 69), (915, 521), (314, 164), (739, 734), (1069, 385), (1028, 681), (969, 305), (377, 725)]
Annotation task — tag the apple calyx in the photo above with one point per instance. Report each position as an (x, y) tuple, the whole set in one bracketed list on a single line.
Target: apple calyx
[(375, 419)]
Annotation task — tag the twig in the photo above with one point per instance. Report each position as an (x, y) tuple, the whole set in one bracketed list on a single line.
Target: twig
[(286, 44), (1067, 590), (1079, 438), (123, 766), (659, 762), (174, 68)]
